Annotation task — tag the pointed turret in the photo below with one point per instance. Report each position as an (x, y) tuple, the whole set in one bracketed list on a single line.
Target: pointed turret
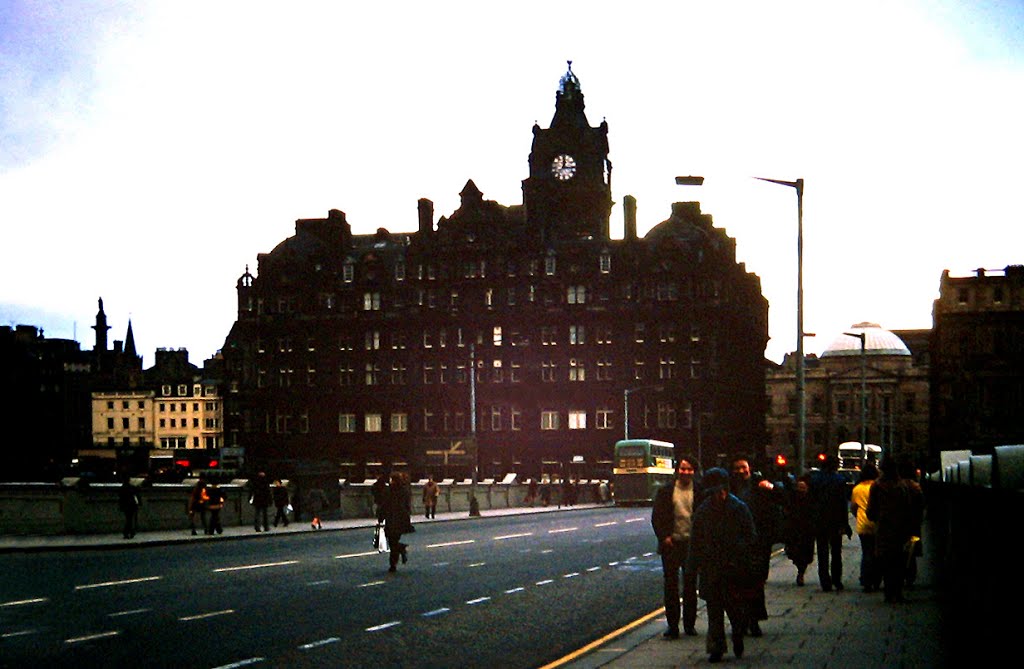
[(101, 329)]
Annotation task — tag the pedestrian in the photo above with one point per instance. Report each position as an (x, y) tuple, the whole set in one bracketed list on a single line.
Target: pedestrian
[(261, 501), (431, 492), (316, 502), (764, 500), (545, 494), (908, 475), (891, 507), (722, 555), (280, 494), (196, 506), (215, 502), (870, 577), (397, 519), (379, 491), (799, 527), (128, 501), (531, 493), (831, 521), (672, 518)]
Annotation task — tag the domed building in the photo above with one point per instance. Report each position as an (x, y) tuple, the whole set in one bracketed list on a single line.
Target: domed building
[(892, 367)]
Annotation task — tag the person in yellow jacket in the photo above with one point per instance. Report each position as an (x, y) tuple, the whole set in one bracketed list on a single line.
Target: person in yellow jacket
[(870, 574)]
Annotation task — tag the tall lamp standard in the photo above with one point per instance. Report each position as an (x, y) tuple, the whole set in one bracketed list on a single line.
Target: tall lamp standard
[(801, 407), (625, 407), (863, 393)]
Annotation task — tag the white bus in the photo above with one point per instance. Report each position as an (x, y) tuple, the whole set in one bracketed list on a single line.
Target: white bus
[(852, 455)]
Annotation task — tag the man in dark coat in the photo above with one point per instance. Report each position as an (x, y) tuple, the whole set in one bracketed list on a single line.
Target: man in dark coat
[(765, 501), (397, 512), (892, 505), (672, 518), (261, 498), (830, 504), (128, 501), (721, 554)]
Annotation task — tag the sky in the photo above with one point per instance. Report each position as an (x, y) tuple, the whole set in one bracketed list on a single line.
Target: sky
[(150, 150)]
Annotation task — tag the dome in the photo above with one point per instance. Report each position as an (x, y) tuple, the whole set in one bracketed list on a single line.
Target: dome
[(876, 342)]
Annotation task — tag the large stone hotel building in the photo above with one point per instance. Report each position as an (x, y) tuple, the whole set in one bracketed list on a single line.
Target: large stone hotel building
[(512, 338)]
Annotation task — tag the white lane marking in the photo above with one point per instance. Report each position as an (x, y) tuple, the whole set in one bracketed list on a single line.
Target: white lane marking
[(8, 635), (478, 600), (564, 529), (211, 614), (575, 573), (323, 582), (476, 564), (371, 584), (594, 569), (614, 522), (634, 520), (132, 612), (513, 536), (548, 550), (436, 612), (545, 582), (451, 543), (648, 554), (612, 564), (19, 602), (108, 584), (240, 663), (256, 566), (317, 644), (90, 637), (441, 564), (377, 628), (514, 590), (354, 555)]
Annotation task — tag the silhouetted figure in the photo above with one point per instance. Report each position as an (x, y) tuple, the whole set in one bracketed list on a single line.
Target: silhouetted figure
[(831, 522), (261, 499), (128, 501)]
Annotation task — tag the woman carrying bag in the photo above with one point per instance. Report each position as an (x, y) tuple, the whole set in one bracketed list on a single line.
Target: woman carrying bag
[(397, 514)]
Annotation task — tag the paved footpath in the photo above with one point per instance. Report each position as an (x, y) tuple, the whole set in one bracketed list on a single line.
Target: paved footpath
[(806, 627)]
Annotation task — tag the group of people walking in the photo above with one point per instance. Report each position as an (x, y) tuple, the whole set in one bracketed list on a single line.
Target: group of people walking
[(716, 535)]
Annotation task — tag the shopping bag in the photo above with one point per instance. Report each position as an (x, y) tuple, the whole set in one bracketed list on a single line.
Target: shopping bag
[(380, 539)]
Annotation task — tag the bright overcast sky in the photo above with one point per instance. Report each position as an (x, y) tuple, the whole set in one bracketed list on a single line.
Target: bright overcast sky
[(150, 150)]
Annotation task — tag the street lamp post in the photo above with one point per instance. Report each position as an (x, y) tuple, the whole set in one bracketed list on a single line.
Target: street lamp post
[(801, 407), (863, 393), (474, 505), (626, 392)]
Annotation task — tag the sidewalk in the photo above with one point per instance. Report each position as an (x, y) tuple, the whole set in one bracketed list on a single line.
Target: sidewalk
[(115, 540), (805, 628)]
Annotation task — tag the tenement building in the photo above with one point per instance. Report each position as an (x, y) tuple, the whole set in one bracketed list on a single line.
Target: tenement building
[(880, 390), (977, 371), (509, 338)]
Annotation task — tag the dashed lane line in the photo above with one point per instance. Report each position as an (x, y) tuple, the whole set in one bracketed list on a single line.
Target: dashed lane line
[(478, 600), (564, 529), (109, 584), (211, 614), (513, 536), (264, 565), (9, 635), (22, 602), (634, 520), (614, 522), (377, 628), (451, 543), (355, 555), (92, 637), (321, 642), (240, 663), (436, 612), (371, 584), (132, 612)]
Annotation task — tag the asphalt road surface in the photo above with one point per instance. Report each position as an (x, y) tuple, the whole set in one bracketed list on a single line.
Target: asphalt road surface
[(514, 591)]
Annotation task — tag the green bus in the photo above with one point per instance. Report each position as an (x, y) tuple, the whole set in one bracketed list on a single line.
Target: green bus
[(641, 466)]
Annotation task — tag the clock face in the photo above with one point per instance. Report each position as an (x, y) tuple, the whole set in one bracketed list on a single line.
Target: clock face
[(563, 167)]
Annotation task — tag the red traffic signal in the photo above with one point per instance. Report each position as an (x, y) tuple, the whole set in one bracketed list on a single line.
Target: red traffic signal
[(780, 460)]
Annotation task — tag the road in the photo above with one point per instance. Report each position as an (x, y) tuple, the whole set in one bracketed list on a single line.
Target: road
[(514, 591)]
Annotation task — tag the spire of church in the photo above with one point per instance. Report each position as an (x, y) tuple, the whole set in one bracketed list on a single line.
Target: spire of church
[(129, 341)]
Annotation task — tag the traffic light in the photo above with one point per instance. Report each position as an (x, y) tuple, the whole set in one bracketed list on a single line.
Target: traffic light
[(821, 457), (780, 460)]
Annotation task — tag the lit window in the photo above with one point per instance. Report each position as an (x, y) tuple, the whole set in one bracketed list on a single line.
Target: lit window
[(577, 420), (346, 422), (372, 422)]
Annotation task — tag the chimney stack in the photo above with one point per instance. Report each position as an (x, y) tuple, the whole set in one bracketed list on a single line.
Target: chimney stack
[(629, 209), (426, 212)]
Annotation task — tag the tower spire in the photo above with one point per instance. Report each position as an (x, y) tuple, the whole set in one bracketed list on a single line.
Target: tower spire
[(101, 329)]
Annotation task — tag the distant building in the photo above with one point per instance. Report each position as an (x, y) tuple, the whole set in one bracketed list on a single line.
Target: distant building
[(977, 370), (44, 402), (515, 337), (896, 378)]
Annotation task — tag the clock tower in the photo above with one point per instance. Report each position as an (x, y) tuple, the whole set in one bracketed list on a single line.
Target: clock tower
[(568, 193)]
